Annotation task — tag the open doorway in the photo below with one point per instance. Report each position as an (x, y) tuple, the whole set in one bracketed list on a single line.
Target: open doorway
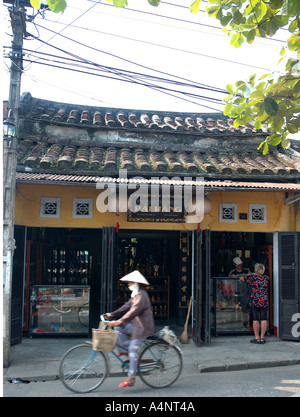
[(251, 247), (154, 254)]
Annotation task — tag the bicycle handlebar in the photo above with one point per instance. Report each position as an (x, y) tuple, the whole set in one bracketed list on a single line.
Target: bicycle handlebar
[(102, 318)]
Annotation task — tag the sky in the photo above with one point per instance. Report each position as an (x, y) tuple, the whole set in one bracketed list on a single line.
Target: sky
[(166, 42)]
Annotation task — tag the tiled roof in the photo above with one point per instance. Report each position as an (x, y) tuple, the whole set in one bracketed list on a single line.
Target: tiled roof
[(95, 117), (71, 139), (47, 157)]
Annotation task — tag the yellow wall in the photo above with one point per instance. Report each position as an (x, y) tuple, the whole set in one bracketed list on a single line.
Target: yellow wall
[(280, 217)]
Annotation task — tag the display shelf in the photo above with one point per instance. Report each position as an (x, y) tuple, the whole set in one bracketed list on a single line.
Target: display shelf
[(59, 310), (158, 291)]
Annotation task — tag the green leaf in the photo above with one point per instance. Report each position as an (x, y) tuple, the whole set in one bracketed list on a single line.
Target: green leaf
[(296, 122), (238, 18), (213, 11), (277, 123), (265, 149), (195, 6), (260, 145), (275, 139), (236, 123), (294, 43), (237, 39), (227, 109), (35, 4), (258, 124), (285, 143), (293, 7), (251, 35), (225, 20), (270, 106), (282, 51), (154, 3), (293, 26), (229, 88), (291, 128), (264, 76), (276, 4), (260, 10), (296, 89), (270, 27), (57, 6)]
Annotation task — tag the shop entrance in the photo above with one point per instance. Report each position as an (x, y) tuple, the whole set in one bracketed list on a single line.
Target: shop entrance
[(71, 276), (154, 254), (61, 270), (226, 315)]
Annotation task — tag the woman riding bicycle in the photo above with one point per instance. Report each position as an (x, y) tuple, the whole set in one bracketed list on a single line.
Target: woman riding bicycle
[(134, 317)]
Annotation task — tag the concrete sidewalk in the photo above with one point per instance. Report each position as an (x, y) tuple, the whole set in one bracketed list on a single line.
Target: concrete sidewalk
[(37, 359)]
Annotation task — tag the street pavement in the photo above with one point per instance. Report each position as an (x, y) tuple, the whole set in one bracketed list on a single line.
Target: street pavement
[(37, 358)]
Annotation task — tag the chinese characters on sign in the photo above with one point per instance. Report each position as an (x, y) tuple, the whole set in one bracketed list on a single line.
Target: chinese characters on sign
[(184, 282), (157, 211)]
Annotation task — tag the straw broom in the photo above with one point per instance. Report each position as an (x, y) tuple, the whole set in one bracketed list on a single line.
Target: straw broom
[(184, 336)]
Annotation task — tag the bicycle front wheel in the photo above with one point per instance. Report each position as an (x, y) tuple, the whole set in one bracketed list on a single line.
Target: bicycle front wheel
[(82, 369), (160, 364)]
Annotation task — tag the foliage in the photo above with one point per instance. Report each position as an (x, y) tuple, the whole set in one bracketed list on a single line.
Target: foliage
[(56, 6), (273, 99)]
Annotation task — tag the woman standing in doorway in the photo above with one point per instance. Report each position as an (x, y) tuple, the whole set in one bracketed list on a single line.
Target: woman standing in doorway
[(259, 301)]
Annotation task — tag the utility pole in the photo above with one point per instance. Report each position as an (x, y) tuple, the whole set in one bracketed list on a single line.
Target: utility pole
[(18, 20)]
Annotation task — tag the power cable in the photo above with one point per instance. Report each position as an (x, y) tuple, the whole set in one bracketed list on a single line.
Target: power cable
[(165, 46), (171, 18), (92, 48), (126, 72), (156, 87)]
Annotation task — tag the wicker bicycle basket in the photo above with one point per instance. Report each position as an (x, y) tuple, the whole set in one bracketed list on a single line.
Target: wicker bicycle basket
[(104, 339)]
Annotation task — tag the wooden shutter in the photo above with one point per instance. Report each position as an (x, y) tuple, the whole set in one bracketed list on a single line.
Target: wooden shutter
[(197, 293), (206, 279), (18, 285), (107, 290), (289, 292), (202, 275)]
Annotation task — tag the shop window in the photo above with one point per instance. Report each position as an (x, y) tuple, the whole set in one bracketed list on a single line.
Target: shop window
[(228, 212), (50, 207), (82, 208), (257, 213)]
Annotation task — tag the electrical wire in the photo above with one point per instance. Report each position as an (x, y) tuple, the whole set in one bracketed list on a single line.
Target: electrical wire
[(125, 72), (50, 61), (122, 74), (128, 76), (172, 18), (92, 62), (164, 46), (155, 87)]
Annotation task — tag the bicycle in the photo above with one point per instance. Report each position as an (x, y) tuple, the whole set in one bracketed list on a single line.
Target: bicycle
[(83, 369)]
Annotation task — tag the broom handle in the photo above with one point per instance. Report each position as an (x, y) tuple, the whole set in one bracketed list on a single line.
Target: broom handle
[(188, 314)]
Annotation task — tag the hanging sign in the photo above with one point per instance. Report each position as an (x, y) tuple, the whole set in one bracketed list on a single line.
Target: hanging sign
[(184, 282)]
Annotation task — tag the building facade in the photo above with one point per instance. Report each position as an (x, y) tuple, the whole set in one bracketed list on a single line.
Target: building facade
[(73, 242)]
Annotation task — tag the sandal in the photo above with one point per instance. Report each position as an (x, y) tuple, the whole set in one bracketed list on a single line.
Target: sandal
[(262, 341), (122, 353), (256, 341), (126, 383)]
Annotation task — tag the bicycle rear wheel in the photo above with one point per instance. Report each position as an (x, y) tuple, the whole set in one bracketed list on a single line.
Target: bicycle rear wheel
[(82, 369), (160, 364)]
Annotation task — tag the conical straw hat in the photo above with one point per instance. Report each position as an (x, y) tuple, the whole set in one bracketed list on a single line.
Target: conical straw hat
[(135, 276)]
